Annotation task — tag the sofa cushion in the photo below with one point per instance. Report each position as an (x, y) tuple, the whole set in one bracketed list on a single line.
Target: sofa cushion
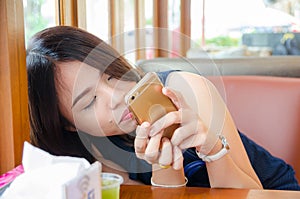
[(283, 66), (267, 110)]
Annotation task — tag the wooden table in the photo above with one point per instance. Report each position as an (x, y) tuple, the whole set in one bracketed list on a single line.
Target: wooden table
[(144, 192)]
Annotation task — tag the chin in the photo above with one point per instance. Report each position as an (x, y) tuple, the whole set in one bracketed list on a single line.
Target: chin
[(127, 129)]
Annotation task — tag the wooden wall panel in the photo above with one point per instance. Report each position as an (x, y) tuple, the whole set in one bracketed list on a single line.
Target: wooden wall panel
[(160, 24), (116, 23), (185, 26), (14, 122), (71, 13), (140, 36)]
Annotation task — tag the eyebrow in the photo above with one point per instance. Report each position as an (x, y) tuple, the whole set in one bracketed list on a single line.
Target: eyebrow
[(83, 93)]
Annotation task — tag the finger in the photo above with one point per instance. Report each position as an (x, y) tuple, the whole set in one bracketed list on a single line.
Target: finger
[(193, 141), (167, 120), (166, 155), (142, 131), (176, 97), (185, 131), (141, 139), (152, 149), (177, 158)]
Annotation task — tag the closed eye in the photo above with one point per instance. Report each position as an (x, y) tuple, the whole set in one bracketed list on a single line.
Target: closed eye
[(91, 103), (110, 77)]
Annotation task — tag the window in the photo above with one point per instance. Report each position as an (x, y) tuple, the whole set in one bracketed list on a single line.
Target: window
[(38, 14), (97, 18), (248, 25), (238, 27)]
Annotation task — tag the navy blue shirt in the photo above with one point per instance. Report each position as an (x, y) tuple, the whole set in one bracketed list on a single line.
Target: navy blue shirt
[(273, 172)]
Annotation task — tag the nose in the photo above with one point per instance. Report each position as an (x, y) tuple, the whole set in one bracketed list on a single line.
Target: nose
[(117, 98), (114, 95)]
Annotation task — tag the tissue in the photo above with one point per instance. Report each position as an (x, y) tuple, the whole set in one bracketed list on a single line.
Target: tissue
[(48, 176)]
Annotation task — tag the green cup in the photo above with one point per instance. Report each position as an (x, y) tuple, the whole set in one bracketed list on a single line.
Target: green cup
[(110, 185)]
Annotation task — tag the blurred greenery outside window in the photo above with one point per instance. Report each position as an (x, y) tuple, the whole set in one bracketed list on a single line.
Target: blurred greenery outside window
[(38, 15), (235, 28)]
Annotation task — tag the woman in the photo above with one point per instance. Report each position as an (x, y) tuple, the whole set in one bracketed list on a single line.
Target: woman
[(77, 85)]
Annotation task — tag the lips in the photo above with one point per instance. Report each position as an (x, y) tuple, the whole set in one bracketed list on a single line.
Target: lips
[(127, 115)]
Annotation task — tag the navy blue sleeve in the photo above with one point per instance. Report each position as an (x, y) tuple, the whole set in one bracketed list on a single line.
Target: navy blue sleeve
[(273, 172), (164, 74)]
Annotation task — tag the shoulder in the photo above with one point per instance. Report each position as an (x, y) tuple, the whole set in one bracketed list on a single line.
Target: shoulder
[(164, 75), (182, 79), (184, 74)]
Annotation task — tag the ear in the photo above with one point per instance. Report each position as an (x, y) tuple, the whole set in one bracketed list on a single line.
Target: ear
[(70, 127)]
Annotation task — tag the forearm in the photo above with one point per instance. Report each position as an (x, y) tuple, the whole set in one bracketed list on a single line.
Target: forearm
[(226, 173), (167, 176), (234, 169)]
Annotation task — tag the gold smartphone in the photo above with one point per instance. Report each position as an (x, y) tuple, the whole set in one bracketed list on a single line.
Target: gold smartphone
[(147, 102)]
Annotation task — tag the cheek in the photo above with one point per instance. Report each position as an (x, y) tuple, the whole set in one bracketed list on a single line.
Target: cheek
[(96, 122), (108, 121), (88, 122)]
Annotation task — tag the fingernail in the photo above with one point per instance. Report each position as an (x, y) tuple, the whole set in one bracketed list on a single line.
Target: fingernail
[(177, 166), (145, 124), (152, 132)]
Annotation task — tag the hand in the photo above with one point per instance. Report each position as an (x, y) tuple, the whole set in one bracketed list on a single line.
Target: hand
[(191, 133), (156, 149)]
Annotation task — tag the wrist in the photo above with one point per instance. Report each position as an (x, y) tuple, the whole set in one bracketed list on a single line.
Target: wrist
[(218, 146), (220, 149), (210, 144), (168, 176), (168, 185)]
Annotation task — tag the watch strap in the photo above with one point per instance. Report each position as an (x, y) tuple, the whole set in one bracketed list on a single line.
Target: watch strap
[(220, 154)]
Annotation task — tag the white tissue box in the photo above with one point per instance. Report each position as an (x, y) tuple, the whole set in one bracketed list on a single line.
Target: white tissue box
[(86, 185), (61, 177)]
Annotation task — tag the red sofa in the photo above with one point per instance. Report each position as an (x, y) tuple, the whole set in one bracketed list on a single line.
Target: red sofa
[(266, 109)]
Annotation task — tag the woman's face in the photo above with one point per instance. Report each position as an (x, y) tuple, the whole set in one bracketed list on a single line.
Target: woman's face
[(92, 101)]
